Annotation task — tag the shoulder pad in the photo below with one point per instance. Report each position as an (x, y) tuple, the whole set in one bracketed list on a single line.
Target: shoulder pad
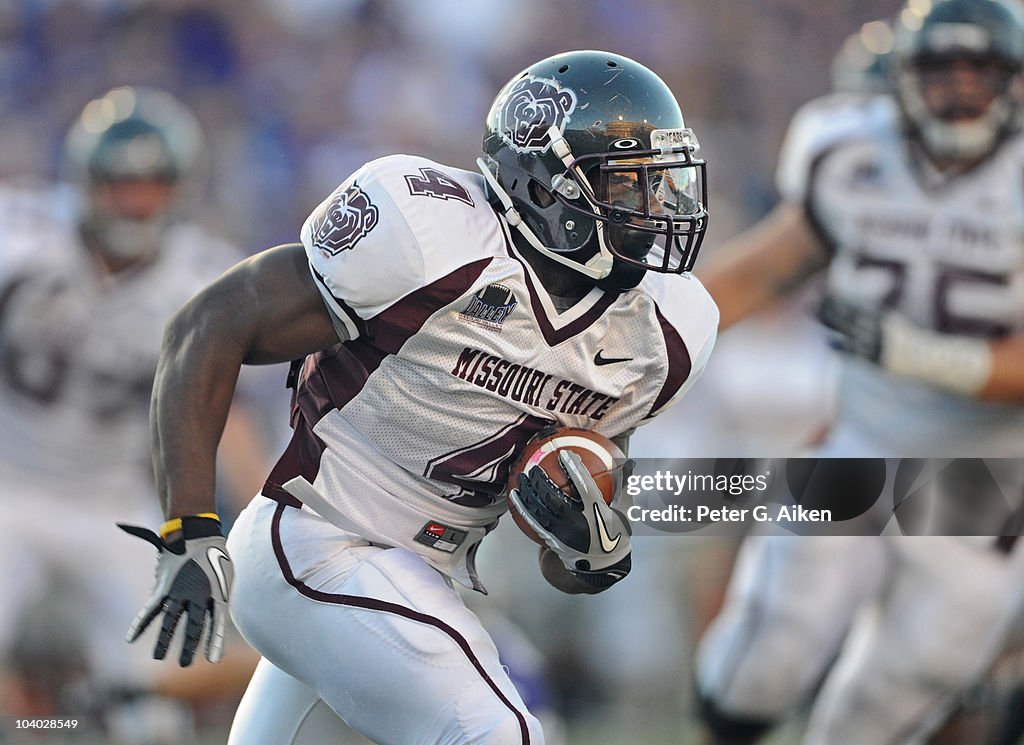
[(393, 226), (820, 125), (688, 310)]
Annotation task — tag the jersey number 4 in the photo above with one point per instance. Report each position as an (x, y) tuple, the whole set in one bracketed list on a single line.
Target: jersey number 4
[(430, 182), (483, 467)]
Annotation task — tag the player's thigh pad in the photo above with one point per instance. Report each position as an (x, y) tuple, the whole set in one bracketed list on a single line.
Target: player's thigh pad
[(276, 708), (789, 604), (375, 632), (940, 622)]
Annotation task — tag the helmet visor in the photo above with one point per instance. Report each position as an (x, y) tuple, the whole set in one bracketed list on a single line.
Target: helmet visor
[(650, 192), (650, 197)]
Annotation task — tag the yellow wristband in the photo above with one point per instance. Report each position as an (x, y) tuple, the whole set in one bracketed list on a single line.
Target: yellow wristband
[(175, 524)]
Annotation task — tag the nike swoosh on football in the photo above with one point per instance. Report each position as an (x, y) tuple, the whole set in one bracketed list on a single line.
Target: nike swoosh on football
[(600, 359), (215, 556), (608, 543)]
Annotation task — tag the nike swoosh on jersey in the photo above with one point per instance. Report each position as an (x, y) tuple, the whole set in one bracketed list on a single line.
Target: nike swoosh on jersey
[(215, 556), (600, 359), (608, 543)]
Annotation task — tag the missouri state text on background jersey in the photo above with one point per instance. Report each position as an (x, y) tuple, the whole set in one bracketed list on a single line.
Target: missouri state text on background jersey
[(454, 355)]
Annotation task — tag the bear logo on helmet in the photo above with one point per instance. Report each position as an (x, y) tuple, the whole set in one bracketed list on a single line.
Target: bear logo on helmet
[(532, 106)]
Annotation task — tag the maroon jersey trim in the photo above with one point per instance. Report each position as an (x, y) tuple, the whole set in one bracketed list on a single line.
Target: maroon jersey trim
[(331, 378), (382, 606), (392, 327), (300, 458), (554, 336), (679, 363)]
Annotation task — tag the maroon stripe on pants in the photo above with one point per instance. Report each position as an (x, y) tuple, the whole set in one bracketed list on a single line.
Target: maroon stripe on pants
[(355, 601)]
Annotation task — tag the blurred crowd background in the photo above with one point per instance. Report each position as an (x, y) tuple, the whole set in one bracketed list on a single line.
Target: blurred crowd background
[(293, 95)]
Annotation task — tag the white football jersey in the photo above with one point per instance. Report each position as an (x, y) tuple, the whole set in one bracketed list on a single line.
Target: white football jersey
[(78, 348), (947, 254), (455, 356)]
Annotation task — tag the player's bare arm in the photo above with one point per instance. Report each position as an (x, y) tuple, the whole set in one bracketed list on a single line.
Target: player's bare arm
[(782, 251), (1006, 380), (986, 369), (264, 310), (763, 264)]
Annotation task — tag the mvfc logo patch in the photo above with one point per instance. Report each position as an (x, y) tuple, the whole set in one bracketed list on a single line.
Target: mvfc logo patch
[(490, 307)]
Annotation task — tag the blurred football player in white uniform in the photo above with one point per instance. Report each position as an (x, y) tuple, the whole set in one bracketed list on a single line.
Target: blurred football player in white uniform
[(915, 205), (443, 318), (89, 275)]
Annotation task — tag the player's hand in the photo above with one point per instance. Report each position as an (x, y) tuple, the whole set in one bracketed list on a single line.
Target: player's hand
[(576, 583), (193, 577), (859, 331), (589, 536), (959, 363)]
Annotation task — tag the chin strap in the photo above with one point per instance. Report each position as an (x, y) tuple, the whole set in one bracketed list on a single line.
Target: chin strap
[(599, 267)]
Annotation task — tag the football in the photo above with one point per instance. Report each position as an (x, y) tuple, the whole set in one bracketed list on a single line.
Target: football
[(602, 457)]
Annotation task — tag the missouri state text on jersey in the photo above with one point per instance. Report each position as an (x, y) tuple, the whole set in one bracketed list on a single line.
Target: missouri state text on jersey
[(525, 384), (453, 355)]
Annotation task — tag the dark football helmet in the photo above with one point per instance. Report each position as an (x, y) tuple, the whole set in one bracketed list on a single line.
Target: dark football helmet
[(931, 39), (131, 150), (587, 155)]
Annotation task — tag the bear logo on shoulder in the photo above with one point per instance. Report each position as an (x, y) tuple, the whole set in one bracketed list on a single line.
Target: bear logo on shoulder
[(341, 222)]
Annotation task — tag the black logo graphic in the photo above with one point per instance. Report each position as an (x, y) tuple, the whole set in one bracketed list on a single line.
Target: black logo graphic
[(491, 305), (434, 183), (600, 359), (532, 106), (340, 223)]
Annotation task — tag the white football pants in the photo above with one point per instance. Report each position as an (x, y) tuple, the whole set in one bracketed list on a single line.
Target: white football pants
[(373, 632), (926, 616)]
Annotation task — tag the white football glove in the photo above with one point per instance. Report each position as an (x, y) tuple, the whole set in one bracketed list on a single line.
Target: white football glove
[(589, 537), (955, 362), (193, 576)]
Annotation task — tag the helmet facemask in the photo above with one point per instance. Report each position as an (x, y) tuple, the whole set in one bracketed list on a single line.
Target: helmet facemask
[(126, 219), (637, 196), (599, 195), (957, 76)]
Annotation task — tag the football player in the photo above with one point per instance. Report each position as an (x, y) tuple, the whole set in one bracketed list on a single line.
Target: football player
[(90, 271), (912, 205), (441, 318)]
